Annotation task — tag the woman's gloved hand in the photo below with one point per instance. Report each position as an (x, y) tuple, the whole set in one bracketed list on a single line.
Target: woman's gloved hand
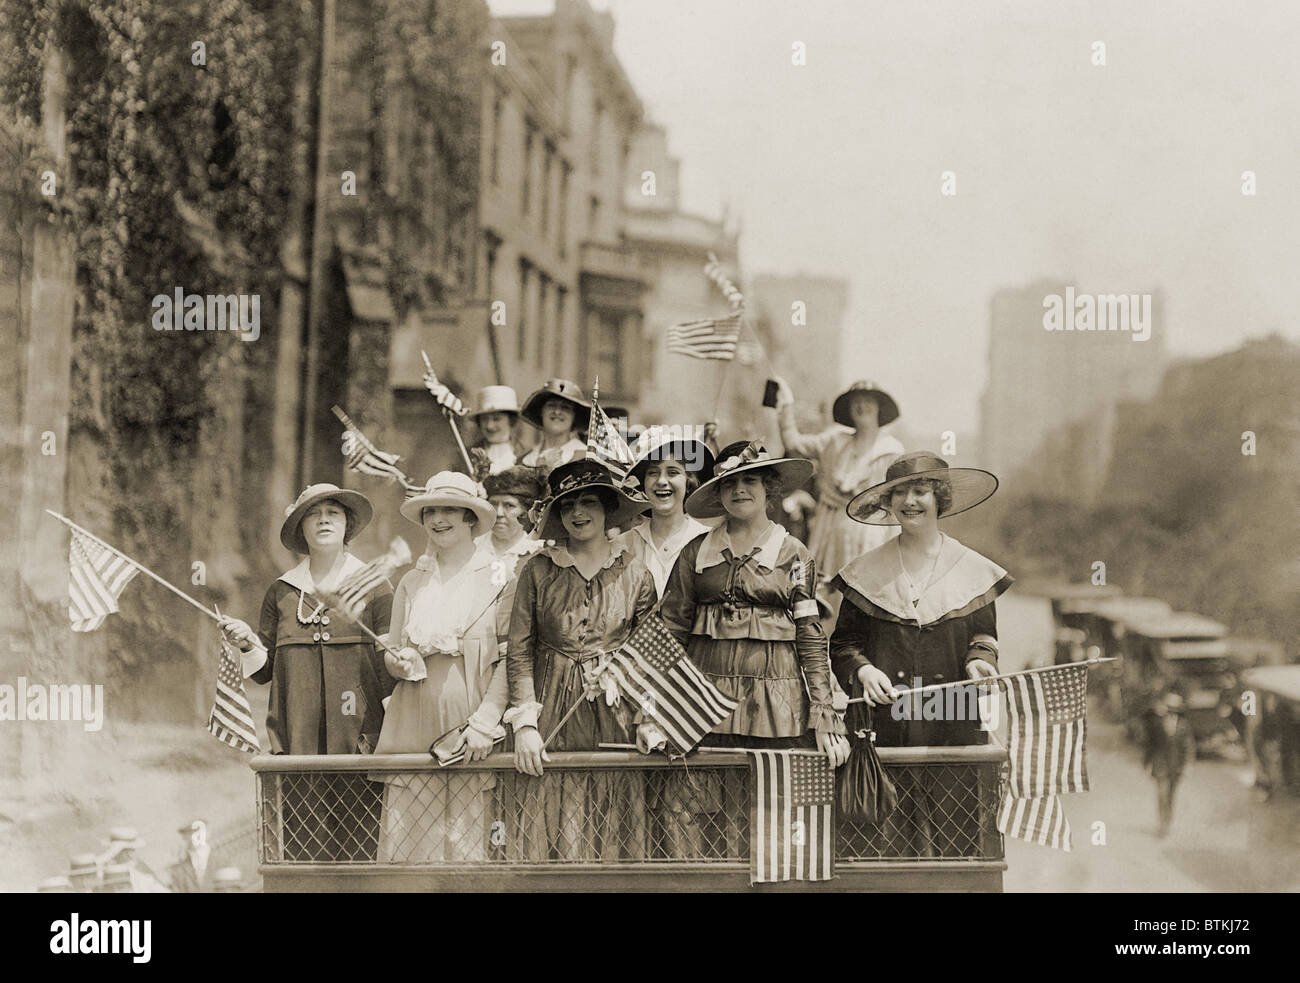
[(238, 633), (834, 746), (477, 746)]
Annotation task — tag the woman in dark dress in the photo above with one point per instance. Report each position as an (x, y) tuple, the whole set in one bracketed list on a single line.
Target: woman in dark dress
[(919, 610), (741, 601), (327, 679)]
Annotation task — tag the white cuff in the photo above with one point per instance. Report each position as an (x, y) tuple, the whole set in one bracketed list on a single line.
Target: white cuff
[(524, 716), (253, 660), (805, 609)]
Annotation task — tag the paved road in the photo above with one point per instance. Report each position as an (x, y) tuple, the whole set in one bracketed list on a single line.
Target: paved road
[(1223, 837)]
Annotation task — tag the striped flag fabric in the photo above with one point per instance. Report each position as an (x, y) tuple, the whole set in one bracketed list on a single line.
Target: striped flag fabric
[(653, 670), (1047, 737), (231, 720), (350, 596), (364, 457), (606, 444), (791, 817), (714, 337), (96, 578)]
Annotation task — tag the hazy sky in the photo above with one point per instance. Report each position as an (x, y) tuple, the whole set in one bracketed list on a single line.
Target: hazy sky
[(1119, 178)]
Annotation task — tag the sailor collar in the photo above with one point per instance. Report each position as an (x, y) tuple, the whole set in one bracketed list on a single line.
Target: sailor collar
[(717, 540), (300, 575), (961, 577)]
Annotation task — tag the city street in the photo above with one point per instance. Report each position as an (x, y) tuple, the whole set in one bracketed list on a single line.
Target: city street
[(1223, 837)]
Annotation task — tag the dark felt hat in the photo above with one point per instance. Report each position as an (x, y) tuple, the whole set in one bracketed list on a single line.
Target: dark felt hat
[(840, 409)]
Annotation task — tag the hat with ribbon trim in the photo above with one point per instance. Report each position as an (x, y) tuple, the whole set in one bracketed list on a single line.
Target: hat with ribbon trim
[(582, 475), (353, 502), (970, 486), (737, 458), (450, 489)]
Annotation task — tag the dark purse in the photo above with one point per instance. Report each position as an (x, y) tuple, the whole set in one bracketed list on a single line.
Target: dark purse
[(866, 793)]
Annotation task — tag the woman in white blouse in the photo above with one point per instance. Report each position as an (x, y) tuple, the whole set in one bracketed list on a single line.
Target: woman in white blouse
[(452, 679)]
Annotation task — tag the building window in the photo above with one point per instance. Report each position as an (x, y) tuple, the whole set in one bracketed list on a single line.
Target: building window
[(548, 159), (545, 332), (563, 224), (495, 169), (529, 139), (593, 214), (521, 315), (607, 351), (597, 128), (570, 69), (561, 311), (492, 244)]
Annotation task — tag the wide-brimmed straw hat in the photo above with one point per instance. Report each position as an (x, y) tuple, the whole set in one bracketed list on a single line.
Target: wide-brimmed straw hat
[(840, 409), (356, 504), (495, 399), (738, 457), (970, 486), (659, 442), (563, 389), (578, 476), (450, 489)]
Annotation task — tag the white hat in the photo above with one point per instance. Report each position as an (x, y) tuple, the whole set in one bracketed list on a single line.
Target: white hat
[(495, 399), (450, 489)]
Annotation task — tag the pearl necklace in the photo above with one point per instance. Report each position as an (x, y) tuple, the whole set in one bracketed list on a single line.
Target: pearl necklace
[(310, 618), (916, 594)]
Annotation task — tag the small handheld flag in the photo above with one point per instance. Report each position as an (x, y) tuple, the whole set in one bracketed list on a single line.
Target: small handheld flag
[(96, 578), (713, 337), (231, 719)]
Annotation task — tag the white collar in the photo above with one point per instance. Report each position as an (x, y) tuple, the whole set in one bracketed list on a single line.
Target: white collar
[(523, 546), (718, 539), (960, 576), (300, 576), (479, 559), (689, 530)]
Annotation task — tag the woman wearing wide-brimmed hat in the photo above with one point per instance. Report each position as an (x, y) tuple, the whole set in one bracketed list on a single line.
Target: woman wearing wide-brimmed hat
[(919, 610), (575, 602), (496, 414), (451, 678), (741, 600), (561, 412), (848, 460), (668, 466), (327, 679)]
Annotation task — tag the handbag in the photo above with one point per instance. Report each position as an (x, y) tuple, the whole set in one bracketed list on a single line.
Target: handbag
[(866, 793)]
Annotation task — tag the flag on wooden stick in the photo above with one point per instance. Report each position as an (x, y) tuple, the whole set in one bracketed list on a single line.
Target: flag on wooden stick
[(1047, 735), (604, 443), (231, 720), (363, 457), (96, 578), (351, 595)]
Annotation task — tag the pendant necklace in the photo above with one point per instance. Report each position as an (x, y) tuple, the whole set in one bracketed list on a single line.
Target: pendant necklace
[(916, 594)]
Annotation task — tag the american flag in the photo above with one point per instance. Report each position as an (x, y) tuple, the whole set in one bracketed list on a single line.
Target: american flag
[(350, 596), (791, 817), (364, 457), (653, 671), (231, 720), (96, 578), (1047, 731), (606, 444), (714, 337)]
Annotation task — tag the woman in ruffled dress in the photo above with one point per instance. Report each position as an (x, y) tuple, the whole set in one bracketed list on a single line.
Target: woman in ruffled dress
[(452, 680), (575, 602), (919, 610), (740, 599)]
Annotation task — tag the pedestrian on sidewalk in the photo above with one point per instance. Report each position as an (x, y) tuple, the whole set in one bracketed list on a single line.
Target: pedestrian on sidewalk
[(1169, 745)]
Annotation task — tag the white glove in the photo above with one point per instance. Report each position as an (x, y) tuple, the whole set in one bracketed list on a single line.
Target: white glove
[(444, 396)]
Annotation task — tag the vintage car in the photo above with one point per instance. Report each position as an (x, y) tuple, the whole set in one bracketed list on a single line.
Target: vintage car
[(1192, 652), (1273, 728), (1105, 626)]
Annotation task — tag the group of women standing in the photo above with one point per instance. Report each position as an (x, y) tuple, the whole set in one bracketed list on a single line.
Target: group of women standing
[(499, 625)]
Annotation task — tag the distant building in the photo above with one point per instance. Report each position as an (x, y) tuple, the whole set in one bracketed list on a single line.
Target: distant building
[(1040, 382), (807, 355), (675, 246)]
